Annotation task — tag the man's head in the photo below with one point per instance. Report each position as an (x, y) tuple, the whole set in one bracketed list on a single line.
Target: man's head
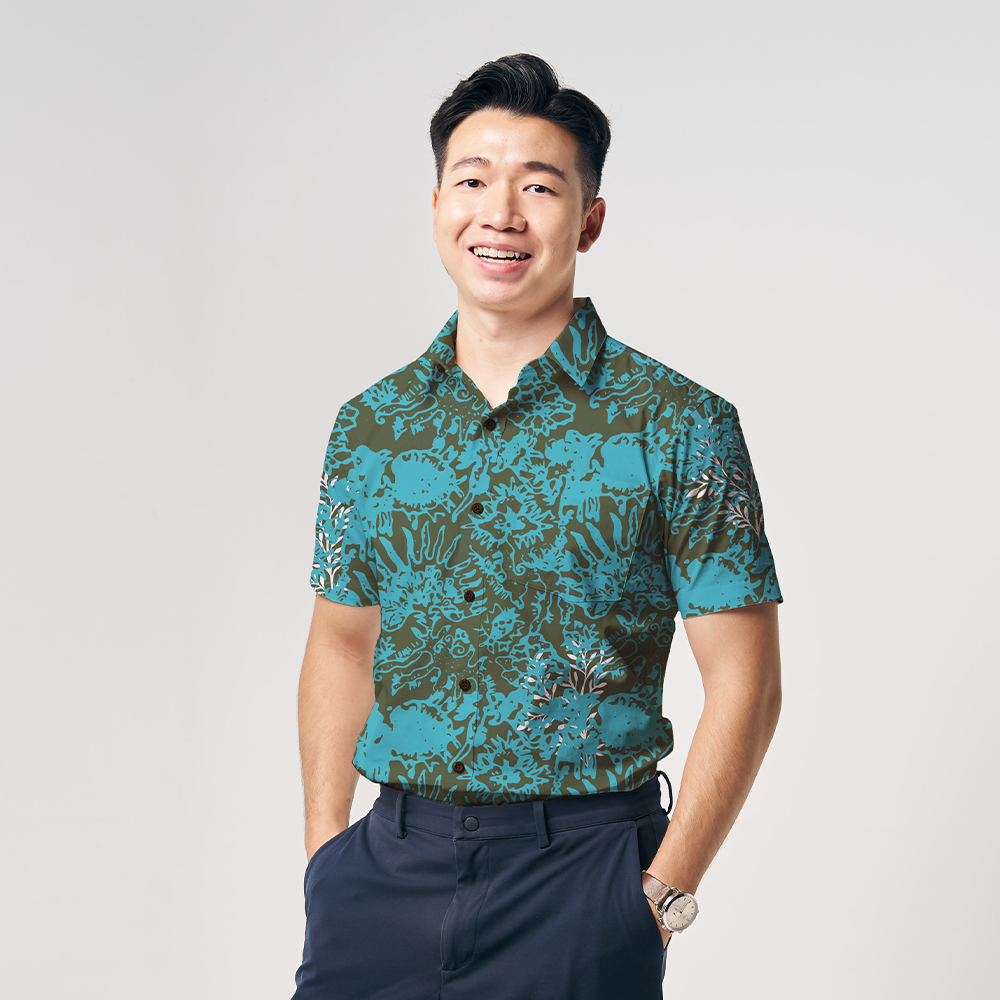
[(526, 86), (519, 163)]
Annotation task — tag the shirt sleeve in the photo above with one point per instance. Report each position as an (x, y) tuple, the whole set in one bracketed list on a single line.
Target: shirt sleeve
[(718, 556), (343, 564)]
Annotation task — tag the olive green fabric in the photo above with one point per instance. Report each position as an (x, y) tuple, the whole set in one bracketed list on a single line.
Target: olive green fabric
[(530, 560)]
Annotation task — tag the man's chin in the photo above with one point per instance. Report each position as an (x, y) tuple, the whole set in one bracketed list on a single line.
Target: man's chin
[(497, 299)]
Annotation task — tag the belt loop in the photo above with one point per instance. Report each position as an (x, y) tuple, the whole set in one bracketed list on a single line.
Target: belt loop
[(400, 830), (669, 789), (543, 834)]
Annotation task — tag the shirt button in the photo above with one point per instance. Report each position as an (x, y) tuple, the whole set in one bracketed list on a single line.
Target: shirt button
[(458, 767), (438, 371), (478, 508), (465, 683), (470, 823), (470, 595), (489, 423)]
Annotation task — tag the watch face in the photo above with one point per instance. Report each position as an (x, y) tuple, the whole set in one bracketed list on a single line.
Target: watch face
[(681, 912)]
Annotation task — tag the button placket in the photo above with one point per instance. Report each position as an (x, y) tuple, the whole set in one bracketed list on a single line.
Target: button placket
[(478, 665)]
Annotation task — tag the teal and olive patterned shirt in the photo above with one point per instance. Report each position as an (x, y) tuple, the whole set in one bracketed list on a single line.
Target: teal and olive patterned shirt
[(529, 561)]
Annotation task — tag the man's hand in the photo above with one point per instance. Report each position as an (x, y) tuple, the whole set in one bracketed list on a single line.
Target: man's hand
[(317, 836), (664, 935)]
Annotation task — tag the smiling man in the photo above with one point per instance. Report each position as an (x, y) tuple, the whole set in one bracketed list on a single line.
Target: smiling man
[(508, 527)]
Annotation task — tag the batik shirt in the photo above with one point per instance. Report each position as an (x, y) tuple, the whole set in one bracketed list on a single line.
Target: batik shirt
[(530, 560)]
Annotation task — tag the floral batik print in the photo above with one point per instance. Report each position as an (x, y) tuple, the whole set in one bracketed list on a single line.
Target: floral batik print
[(530, 561)]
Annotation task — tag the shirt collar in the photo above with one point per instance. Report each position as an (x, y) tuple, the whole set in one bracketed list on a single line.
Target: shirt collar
[(441, 353), (575, 349)]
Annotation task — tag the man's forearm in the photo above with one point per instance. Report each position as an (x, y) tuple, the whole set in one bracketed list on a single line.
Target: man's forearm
[(336, 694), (726, 752)]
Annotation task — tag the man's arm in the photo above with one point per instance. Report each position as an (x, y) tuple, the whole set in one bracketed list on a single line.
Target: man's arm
[(336, 695), (737, 654)]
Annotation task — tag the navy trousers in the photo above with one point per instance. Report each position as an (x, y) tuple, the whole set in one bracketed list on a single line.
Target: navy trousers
[(538, 900)]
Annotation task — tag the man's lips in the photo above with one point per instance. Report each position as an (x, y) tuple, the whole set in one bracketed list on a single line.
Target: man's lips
[(491, 251), (499, 260)]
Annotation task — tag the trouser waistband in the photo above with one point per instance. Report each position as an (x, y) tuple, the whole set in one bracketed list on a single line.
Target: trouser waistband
[(536, 817)]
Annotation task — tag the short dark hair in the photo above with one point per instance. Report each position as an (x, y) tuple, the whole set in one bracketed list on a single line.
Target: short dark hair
[(525, 85)]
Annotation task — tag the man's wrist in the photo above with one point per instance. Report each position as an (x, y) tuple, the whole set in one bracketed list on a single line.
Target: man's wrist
[(675, 908), (673, 877), (318, 833)]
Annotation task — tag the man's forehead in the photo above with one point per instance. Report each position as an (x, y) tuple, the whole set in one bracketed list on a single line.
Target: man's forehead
[(495, 138)]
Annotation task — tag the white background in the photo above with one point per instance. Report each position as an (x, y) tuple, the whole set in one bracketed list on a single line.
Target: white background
[(215, 227)]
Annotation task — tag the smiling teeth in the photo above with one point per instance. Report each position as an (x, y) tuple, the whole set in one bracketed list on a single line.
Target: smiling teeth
[(500, 254)]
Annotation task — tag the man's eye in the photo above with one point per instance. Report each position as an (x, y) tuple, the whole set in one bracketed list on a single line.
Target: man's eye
[(472, 182), (540, 187)]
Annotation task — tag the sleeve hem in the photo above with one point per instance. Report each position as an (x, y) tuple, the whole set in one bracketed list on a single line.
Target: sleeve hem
[(347, 597), (701, 613)]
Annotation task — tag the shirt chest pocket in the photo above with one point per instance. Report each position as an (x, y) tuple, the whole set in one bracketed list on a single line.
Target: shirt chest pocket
[(579, 547)]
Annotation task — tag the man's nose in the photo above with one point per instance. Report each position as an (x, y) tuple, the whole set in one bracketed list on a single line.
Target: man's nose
[(499, 209)]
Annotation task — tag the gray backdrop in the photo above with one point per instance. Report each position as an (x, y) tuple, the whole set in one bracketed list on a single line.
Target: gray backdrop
[(215, 227)]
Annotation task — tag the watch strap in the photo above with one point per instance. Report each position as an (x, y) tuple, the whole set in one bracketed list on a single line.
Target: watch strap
[(656, 890)]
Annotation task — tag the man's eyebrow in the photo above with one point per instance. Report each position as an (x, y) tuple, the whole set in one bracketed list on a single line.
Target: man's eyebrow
[(470, 161), (546, 168)]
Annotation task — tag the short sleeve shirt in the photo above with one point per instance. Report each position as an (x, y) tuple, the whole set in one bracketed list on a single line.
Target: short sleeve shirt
[(530, 561)]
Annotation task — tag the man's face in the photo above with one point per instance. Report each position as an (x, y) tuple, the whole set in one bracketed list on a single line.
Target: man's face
[(512, 184)]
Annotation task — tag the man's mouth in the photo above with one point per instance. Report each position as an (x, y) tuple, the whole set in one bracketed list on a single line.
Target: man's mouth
[(491, 253)]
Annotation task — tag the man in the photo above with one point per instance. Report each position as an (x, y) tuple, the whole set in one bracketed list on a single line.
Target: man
[(507, 529)]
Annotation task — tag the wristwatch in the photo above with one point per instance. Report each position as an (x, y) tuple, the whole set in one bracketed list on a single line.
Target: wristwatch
[(677, 909)]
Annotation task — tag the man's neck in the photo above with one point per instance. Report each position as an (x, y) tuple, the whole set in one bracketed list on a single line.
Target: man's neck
[(492, 347)]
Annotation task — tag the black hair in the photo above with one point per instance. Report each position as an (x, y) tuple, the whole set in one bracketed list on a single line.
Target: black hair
[(525, 85)]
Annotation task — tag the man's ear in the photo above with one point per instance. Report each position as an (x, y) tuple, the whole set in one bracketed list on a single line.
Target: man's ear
[(434, 212), (593, 222)]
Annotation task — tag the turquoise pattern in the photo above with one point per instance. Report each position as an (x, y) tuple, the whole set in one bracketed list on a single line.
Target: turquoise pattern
[(530, 560)]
